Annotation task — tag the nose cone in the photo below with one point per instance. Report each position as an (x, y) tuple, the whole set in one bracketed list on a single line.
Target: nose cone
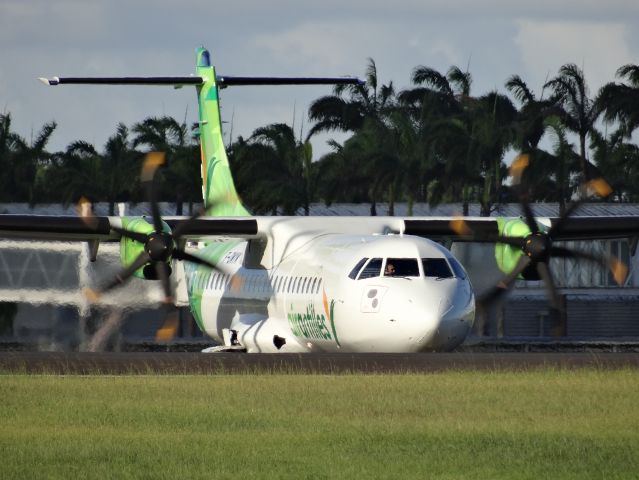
[(446, 326)]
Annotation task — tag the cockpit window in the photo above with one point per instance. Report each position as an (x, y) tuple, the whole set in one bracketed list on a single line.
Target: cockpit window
[(401, 267), (457, 268), (436, 267), (357, 268), (373, 269)]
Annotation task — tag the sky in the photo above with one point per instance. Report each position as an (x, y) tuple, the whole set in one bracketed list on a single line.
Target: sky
[(494, 39)]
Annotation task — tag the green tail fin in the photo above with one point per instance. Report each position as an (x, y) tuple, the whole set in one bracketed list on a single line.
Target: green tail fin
[(218, 189)]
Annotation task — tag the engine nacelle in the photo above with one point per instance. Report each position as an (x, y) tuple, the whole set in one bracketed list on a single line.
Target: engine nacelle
[(507, 256), (130, 249)]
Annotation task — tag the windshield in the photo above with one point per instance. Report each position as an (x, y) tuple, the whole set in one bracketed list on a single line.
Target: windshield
[(401, 267), (373, 269), (436, 267)]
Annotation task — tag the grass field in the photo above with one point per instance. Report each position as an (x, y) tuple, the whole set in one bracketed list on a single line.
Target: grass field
[(541, 424)]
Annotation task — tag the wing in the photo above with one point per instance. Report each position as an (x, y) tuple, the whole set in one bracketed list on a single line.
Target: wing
[(105, 229), (483, 229)]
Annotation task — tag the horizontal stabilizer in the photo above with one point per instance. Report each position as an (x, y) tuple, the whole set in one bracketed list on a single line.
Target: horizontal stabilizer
[(224, 81), (174, 81)]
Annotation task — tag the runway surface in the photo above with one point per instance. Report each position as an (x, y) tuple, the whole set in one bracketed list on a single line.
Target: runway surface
[(323, 363)]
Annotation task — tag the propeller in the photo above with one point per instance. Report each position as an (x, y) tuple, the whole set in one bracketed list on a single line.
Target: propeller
[(537, 246), (160, 245)]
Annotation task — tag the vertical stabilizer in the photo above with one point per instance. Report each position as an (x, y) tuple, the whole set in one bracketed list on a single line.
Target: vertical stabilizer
[(218, 189)]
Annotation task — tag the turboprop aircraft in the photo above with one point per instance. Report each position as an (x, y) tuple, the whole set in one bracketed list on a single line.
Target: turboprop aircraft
[(312, 284)]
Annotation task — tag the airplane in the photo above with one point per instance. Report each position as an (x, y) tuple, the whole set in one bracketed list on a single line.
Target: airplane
[(313, 284)]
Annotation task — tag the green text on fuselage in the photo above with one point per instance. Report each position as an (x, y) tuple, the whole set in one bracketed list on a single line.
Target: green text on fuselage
[(310, 324)]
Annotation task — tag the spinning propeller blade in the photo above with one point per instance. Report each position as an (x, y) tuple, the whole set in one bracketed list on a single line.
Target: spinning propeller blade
[(160, 246), (537, 246)]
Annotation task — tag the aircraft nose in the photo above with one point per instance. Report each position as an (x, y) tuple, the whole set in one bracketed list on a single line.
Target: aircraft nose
[(447, 325)]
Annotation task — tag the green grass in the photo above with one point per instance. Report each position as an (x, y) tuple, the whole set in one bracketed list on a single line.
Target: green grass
[(542, 424)]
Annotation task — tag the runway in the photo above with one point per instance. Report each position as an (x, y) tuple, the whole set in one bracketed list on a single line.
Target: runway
[(322, 363)]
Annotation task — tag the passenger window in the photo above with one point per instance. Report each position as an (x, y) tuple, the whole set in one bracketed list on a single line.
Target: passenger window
[(436, 267), (372, 269), (319, 284), (357, 268), (401, 267), (313, 285)]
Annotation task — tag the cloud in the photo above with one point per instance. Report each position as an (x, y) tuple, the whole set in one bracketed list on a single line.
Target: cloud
[(599, 48), (320, 46)]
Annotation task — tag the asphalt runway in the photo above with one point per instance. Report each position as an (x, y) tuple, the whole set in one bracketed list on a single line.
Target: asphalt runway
[(327, 363)]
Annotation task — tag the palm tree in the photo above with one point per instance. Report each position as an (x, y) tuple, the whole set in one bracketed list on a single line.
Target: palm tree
[(72, 174), (20, 161), (560, 164), (441, 103), (621, 100), (119, 167), (364, 112), (580, 112), (364, 102), (287, 175), (492, 116), (165, 134), (618, 162), (531, 125), (341, 179)]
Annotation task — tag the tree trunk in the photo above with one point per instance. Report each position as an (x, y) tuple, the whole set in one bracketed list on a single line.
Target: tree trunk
[(582, 156)]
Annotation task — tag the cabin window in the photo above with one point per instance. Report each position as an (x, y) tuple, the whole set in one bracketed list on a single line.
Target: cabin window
[(294, 284), (401, 267), (457, 267), (357, 268), (436, 267), (319, 284), (372, 269), (313, 285)]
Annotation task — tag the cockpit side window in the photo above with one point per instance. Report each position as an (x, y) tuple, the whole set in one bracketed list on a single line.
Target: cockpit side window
[(436, 267), (357, 268), (401, 267), (457, 268), (373, 269)]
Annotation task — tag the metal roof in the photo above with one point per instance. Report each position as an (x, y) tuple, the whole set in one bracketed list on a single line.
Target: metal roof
[(352, 209)]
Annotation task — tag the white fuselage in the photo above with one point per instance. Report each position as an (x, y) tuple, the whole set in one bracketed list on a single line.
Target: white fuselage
[(316, 299)]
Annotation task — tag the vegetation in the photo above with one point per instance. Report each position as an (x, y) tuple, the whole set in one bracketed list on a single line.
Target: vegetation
[(541, 424), (435, 141)]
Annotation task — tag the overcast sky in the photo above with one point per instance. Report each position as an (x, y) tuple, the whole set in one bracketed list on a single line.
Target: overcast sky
[(496, 38)]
